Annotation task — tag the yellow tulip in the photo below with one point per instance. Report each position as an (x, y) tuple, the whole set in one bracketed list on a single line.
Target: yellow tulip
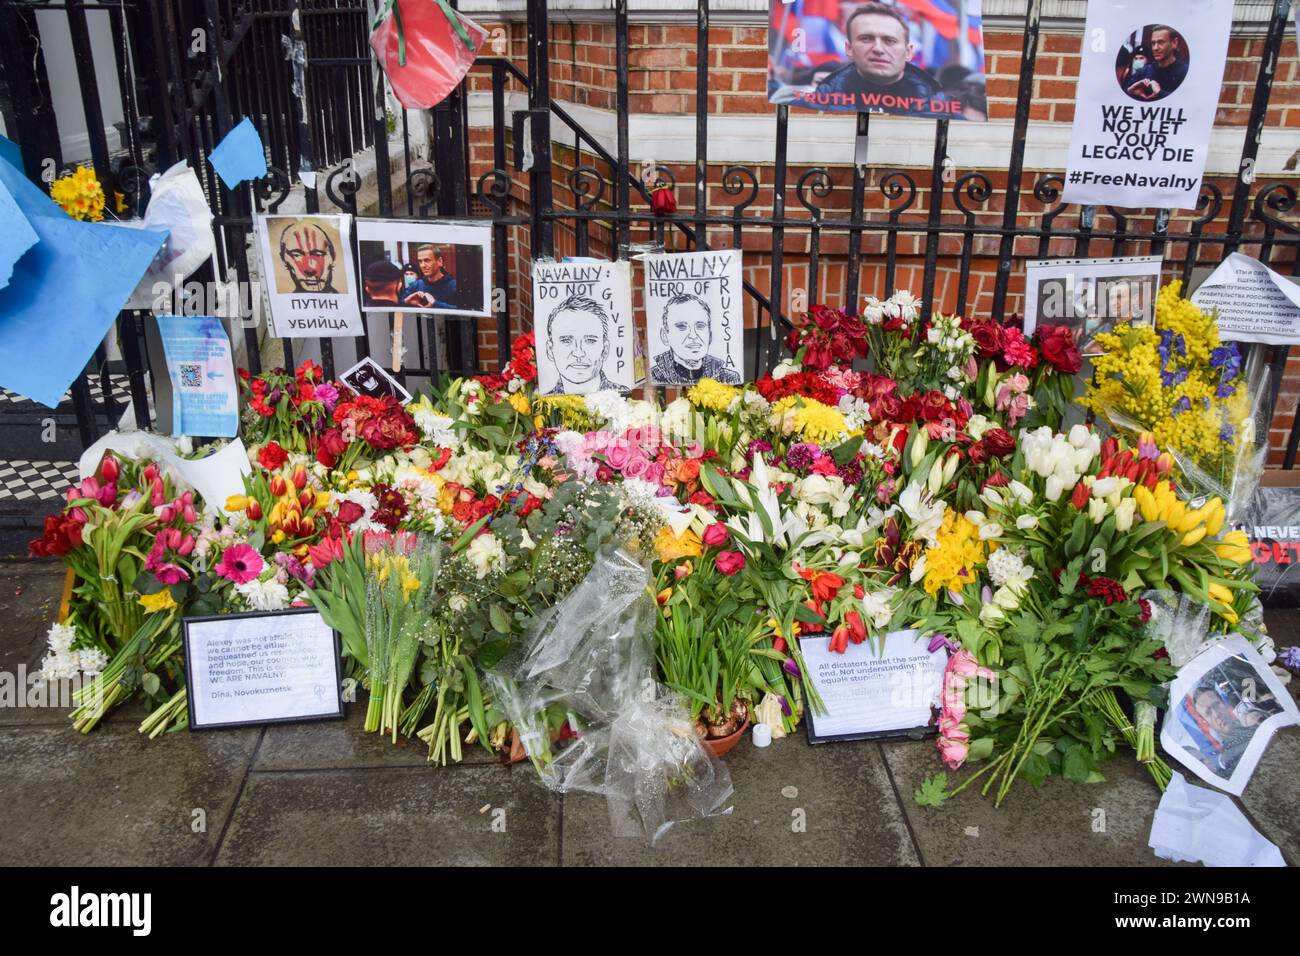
[(236, 502), (1219, 593), (1214, 523), (1146, 502), (1193, 537), (1189, 520)]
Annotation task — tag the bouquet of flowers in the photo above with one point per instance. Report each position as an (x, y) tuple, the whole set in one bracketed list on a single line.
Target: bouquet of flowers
[(1176, 384)]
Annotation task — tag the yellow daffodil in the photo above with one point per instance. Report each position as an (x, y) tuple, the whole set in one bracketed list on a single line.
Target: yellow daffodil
[(162, 601)]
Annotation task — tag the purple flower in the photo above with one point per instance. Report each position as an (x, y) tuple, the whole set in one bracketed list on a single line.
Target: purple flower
[(327, 395), (1290, 658), (792, 669), (850, 473), (785, 707), (942, 640), (801, 456)]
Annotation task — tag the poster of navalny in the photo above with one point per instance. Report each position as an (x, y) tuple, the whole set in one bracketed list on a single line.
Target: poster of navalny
[(920, 58)]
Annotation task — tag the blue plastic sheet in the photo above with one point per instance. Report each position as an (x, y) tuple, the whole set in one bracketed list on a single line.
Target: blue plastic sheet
[(10, 153), (16, 234), (240, 156), (64, 293)]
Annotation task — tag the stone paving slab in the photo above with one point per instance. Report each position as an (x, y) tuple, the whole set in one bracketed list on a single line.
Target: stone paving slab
[(1272, 798), (114, 797), (840, 794), (411, 816), (1058, 824), (343, 744)]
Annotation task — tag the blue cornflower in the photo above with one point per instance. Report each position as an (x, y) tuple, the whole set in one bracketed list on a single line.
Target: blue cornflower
[(1224, 391), (1226, 433), (1182, 405)]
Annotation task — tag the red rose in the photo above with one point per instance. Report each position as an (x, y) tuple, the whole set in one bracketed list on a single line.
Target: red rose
[(729, 562), (887, 408), (935, 407), (998, 442), (272, 456), (1057, 345), (663, 202), (988, 337)]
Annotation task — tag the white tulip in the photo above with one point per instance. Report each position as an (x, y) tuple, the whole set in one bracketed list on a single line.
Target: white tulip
[(1054, 488), (1027, 522), (1079, 436), (1105, 487), (976, 518), (989, 530), (1021, 491), (1124, 514), (1097, 510)]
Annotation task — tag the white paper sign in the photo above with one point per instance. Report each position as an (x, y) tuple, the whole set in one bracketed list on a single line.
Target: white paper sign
[(410, 265), (1146, 100), (308, 275), (582, 317), (694, 305), (1196, 825), (205, 396), (1091, 295), (261, 668), (866, 693), (1224, 707), (1254, 303)]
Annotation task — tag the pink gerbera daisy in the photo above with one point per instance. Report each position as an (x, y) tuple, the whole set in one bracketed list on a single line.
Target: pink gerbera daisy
[(240, 563)]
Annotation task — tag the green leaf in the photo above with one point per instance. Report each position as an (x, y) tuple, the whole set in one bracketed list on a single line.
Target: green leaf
[(500, 619), (981, 748), (151, 683), (1035, 769), (933, 791), (1077, 764)]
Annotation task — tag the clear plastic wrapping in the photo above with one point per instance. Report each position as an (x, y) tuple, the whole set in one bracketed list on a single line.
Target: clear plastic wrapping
[(588, 662), (1181, 622)]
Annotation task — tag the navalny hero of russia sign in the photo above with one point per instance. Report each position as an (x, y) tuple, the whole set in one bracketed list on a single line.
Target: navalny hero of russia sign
[(1148, 91)]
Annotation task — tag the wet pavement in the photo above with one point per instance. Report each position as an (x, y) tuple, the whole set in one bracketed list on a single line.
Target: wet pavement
[(329, 794)]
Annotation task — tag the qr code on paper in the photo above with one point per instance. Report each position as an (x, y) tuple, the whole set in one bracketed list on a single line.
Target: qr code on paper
[(191, 375)]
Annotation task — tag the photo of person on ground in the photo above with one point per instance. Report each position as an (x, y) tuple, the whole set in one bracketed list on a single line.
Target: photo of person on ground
[(1222, 714), (577, 345), (686, 331)]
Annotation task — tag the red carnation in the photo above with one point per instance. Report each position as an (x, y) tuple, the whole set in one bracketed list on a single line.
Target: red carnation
[(1107, 588), (272, 456)]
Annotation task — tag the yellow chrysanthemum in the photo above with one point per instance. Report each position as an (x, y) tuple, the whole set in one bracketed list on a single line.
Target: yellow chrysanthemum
[(711, 394), (519, 402), (811, 419)]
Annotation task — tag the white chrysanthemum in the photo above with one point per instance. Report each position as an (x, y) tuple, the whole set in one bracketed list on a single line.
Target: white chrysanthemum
[(436, 428), (567, 442), (485, 554), (264, 595)]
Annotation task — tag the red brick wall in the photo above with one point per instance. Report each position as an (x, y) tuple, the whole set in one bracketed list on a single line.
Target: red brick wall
[(662, 78)]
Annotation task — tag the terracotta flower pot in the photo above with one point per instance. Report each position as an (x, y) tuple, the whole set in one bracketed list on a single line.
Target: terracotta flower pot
[(721, 746)]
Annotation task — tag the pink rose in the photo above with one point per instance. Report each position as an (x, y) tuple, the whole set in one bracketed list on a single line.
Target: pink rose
[(953, 753), (618, 454), (654, 473), (715, 535), (636, 466), (729, 562)]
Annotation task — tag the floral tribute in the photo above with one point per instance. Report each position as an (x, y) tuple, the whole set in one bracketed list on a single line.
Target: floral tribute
[(896, 472)]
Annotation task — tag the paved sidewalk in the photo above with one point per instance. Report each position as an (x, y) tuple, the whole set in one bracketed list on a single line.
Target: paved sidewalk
[(321, 794)]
